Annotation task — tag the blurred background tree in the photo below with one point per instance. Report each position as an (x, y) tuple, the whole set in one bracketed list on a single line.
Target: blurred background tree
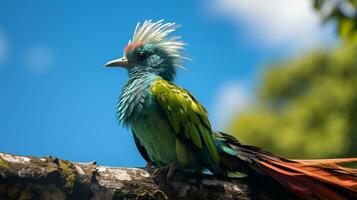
[(307, 106)]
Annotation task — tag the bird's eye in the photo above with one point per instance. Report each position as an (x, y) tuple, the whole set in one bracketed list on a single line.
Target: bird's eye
[(141, 56)]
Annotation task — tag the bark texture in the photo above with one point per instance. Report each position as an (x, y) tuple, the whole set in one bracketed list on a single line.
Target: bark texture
[(25, 178)]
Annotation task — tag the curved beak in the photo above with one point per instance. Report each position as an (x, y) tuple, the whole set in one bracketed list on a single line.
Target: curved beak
[(120, 62)]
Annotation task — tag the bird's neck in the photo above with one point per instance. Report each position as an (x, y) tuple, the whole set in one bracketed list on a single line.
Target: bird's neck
[(136, 77), (164, 71), (138, 72)]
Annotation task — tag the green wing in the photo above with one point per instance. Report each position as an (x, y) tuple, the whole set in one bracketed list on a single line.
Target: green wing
[(187, 118)]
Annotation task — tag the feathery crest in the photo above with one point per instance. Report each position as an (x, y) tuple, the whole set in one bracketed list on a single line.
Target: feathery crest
[(156, 33)]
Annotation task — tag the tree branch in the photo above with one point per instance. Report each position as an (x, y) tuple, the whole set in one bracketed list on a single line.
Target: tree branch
[(52, 178)]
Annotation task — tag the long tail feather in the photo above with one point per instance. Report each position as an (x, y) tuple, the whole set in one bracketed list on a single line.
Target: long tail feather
[(321, 179)]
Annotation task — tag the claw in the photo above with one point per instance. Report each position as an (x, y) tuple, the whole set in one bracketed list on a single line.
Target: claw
[(169, 170), (172, 169), (160, 171)]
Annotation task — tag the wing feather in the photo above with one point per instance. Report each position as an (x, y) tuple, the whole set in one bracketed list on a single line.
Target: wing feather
[(186, 116)]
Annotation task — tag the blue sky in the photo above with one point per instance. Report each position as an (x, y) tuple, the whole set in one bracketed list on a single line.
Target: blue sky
[(58, 99)]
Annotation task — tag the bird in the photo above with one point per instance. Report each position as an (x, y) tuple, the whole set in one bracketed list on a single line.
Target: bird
[(172, 131)]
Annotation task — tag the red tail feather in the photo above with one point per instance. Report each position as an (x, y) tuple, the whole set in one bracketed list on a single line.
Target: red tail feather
[(321, 179), (313, 179)]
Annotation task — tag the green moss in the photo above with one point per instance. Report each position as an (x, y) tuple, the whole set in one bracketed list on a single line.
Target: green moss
[(3, 165), (68, 174)]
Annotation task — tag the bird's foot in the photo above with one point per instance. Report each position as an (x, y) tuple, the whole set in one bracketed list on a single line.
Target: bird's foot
[(169, 170)]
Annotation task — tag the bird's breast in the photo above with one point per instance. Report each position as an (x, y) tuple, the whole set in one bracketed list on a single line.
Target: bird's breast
[(136, 100), (156, 137)]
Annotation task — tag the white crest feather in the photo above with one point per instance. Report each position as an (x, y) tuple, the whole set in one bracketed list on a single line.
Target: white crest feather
[(156, 33)]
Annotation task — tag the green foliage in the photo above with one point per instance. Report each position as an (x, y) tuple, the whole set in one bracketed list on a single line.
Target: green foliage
[(343, 12), (307, 107)]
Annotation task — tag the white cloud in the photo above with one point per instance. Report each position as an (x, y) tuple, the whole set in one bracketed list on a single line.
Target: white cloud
[(231, 98), (291, 24), (3, 46), (39, 59)]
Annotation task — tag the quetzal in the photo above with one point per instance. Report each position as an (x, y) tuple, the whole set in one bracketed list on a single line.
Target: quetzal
[(171, 128)]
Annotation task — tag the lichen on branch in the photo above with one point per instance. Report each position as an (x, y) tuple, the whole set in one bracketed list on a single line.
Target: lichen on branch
[(24, 177)]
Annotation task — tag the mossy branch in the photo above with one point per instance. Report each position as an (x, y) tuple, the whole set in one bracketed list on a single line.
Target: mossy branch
[(24, 177)]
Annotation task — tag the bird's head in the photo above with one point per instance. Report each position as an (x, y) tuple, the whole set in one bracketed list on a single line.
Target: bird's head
[(152, 50)]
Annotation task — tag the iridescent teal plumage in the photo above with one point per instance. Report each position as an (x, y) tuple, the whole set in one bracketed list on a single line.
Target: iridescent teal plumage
[(171, 128), (136, 97), (167, 122)]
